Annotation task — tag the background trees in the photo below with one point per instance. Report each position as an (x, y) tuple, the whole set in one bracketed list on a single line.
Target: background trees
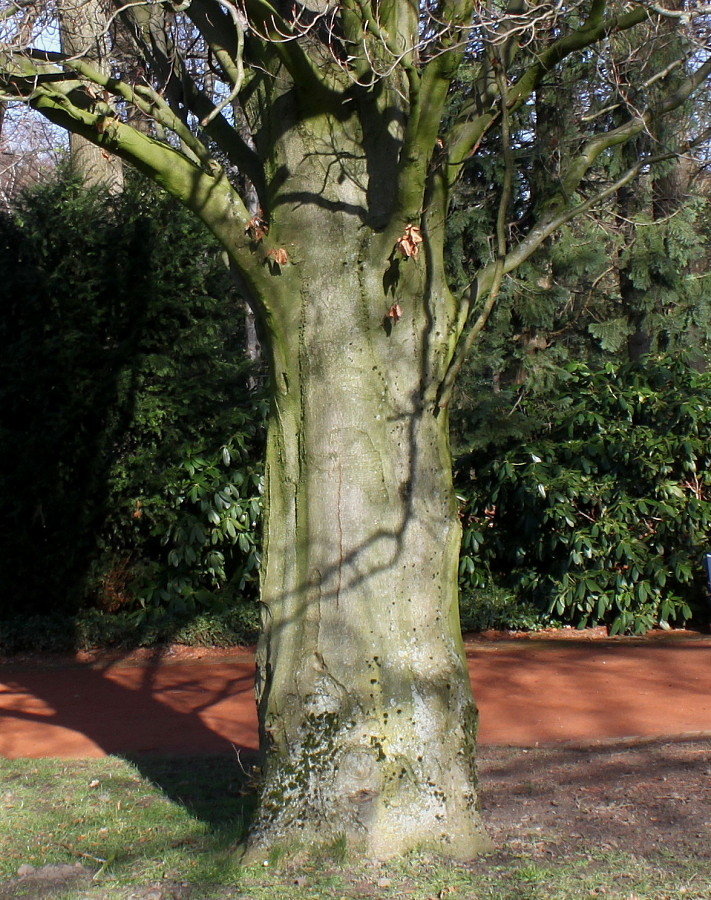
[(639, 256), (628, 277), (85, 32), (634, 265), (137, 520)]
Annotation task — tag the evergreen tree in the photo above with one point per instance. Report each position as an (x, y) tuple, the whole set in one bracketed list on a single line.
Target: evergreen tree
[(127, 434)]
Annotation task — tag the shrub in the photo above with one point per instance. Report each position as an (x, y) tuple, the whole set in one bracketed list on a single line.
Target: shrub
[(601, 517), (130, 443), (92, 628)]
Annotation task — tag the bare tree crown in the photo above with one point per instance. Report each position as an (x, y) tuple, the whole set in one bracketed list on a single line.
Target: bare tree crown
[(187, 92)]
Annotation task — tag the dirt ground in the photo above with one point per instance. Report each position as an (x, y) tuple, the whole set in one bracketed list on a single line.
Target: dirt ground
[(644, 797), (531, 692)]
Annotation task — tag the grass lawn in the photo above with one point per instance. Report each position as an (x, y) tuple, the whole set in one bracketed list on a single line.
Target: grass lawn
[(168, 829)]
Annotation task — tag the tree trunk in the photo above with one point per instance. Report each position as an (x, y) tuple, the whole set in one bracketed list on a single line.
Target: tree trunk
[(83, 32), (367, 720), (368, 723)]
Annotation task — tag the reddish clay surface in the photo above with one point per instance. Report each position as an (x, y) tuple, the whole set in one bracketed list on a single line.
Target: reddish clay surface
[(530, 692)]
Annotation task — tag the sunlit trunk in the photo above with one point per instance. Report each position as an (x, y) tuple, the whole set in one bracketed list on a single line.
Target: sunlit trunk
[(367, 720)]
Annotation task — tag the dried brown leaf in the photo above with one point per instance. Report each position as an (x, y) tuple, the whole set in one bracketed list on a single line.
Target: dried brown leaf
[(256, 227), (409, 243), (279, 256)]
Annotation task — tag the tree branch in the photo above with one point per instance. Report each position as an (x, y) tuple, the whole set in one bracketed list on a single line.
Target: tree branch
[(238, 78), (427, 97), (558, 213), (317, 84), (143, 97), (199, 183), (447, 386), (14, 8), (220, 25), (473, 120)]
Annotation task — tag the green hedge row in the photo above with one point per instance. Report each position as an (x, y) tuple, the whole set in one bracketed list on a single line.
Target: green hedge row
[(91, 628), (130, 441)]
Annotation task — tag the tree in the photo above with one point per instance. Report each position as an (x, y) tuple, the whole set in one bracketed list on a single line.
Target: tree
[(590, 286), (339, 118), (28, 151), (83, 30)]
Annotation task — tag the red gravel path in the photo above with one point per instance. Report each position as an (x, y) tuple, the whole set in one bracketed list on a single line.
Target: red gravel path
[(530, 692)]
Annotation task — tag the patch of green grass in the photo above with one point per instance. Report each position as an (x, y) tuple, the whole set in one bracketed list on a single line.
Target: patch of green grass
[(567, 877), (137, 822), (173, 826)]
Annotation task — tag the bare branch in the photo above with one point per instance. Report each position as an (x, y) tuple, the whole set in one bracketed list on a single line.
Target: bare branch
[(473, 119), (560, 212), (473, 332), (239, 23)]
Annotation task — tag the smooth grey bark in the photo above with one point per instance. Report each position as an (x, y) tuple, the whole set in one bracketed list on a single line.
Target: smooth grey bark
[(368, 724), (367, 719), (83, 28)]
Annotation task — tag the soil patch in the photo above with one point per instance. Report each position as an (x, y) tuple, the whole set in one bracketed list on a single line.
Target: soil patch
[(45, 882), (648, 798)]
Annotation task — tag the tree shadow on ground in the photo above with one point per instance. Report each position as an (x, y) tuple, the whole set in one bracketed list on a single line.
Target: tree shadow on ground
[(217, 789), (645, 798), (118, 709)]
